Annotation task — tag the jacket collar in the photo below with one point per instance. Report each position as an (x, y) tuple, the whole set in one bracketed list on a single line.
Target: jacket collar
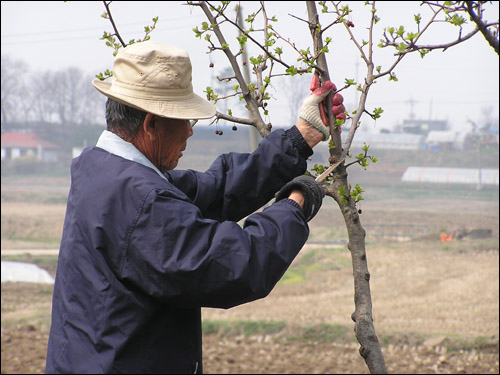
[(115, 145)]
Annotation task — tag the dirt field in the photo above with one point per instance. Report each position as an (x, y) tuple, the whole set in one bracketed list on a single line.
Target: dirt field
[(435, 305)]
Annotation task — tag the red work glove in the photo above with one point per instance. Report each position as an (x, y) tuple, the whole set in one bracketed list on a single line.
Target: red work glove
[(312, 109)]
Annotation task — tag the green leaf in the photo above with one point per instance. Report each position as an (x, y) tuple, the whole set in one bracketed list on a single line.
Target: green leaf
[(457, 20), (401, 47), (423, 52), (197, 32), (242, 39), (350, 82), (270, 42), (411, 36), (292, 70), (377, 112)]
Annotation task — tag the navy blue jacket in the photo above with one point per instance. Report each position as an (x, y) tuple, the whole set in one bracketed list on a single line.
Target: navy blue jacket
[(141, 255)]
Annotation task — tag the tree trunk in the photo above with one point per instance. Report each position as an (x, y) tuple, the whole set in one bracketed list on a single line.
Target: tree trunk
[(365, 332)]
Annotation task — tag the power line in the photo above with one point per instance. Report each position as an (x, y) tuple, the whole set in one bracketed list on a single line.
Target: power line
[(87, 29), (158, 30)]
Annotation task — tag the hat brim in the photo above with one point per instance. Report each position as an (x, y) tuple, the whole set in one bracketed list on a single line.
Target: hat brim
[(191, 108)]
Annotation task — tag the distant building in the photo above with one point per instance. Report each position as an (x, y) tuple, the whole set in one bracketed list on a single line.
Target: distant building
[(470, 176), (388, 141), (449, 140), (423, 127), (16, 145)]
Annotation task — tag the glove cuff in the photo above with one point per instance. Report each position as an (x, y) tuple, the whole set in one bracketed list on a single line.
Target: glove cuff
[(291, 202), (311, 114)]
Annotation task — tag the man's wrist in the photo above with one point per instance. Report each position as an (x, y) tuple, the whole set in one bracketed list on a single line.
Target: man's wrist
[(310, 134), (298, 197)]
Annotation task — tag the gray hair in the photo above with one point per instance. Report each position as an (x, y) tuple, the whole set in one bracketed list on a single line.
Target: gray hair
[(123, 120)]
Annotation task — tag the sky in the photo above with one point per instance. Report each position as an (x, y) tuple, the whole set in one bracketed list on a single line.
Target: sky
[(458, 85)]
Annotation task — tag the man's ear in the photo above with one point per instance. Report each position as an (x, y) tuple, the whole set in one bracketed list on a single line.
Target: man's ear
[(148, 125)]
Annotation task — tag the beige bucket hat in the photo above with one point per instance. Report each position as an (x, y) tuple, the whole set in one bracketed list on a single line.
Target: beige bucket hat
[(155, 78)]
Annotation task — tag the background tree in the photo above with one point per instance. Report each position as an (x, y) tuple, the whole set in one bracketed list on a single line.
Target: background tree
[(269, 62), (62, 97), (12, 88)]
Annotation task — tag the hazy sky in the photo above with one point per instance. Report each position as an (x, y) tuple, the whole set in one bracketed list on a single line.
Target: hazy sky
[(456, 85)]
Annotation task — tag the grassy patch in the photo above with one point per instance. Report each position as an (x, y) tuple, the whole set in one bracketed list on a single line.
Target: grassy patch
[(452, 342), (327, 233), (34, 197), (324, 333), (32, 222), (412, 191), (316, 259), (245, 327), (460, 246), (26, 304)]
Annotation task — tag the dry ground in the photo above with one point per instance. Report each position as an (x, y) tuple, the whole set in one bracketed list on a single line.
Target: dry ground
[(435, 305)]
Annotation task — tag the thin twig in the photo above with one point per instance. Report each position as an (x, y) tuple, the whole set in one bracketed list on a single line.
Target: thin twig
[(106, 5)]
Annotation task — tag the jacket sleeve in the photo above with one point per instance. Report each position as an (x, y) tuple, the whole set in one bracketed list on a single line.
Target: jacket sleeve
[(176, 255), (237, 184)]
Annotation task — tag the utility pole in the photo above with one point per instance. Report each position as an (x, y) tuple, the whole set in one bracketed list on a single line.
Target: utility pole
[(411, 101), (254, 134)]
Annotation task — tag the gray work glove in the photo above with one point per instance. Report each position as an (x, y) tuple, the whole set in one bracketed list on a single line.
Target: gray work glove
[(313, 194)]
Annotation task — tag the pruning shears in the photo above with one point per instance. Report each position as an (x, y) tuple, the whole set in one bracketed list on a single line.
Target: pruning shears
[(329, 170), (316, 84)]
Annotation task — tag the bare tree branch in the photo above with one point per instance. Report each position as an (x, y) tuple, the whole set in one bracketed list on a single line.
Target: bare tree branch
[(256, 119), (484, 28), (238, 120)]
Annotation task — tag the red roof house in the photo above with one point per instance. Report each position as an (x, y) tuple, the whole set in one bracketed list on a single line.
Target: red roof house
[(15, 145)]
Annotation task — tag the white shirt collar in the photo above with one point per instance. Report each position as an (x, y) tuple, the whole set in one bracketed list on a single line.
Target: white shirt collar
[(115, 145)]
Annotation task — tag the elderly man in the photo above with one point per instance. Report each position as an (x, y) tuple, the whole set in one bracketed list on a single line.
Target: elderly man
[(145, 247)]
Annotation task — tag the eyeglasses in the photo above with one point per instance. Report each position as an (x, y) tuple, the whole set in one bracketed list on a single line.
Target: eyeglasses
[(193, 123)]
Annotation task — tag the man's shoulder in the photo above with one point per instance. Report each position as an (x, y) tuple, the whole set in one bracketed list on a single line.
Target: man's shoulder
[(103, 167)]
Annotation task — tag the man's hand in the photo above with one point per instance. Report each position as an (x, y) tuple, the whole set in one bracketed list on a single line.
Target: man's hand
[(310, 109), (314, 114), (312, 192)]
